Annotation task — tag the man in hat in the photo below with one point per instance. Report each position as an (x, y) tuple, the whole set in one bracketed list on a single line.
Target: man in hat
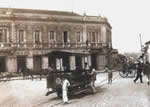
[(139, 72)]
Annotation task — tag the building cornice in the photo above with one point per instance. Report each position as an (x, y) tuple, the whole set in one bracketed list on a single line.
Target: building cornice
[(53, 20), (49, 16)]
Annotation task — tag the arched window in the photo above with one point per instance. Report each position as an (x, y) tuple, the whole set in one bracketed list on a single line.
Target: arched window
[(52, 36), (21, 35), (37, 36)]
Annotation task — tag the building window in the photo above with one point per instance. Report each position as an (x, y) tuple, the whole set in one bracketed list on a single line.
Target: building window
[(52, 35), (66, 36), (108, 33), (21, 35), (37, 36), (93, 36), (78, 36), (3, 35)]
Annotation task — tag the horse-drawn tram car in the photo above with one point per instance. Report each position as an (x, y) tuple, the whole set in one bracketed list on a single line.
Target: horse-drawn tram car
[(80, 79)]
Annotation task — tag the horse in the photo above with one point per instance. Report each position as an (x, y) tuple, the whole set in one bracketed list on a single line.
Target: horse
[(32, 72), (26, 72)]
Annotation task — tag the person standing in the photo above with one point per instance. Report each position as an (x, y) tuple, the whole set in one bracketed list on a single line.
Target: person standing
[(65, 85), (92, 74), (139, 72), (110, 74)]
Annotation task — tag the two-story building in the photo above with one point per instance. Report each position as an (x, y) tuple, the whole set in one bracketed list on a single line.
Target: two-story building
[(28, 37)]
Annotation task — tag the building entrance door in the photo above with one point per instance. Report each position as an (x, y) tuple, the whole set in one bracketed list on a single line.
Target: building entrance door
[(37, 63), (21, 63)]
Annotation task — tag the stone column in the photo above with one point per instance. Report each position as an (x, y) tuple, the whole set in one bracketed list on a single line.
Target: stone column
[(72, 62), (58, 64), (44, 62), (13, 33), (89, 60), (100, 61), (11, 64), (61, 64), (83, 62), (29, 61)]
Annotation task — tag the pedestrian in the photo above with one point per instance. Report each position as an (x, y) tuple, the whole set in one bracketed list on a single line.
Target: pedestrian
[(65, 85), (92, 75), (146, 72), (110, 74), (139, 72)]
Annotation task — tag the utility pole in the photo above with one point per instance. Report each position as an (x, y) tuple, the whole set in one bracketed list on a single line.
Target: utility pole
[(141, 42)]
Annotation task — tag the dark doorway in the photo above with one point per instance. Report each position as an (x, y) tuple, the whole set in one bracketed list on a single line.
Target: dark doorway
[(65, 33), (52, 60), (21, 63), (2, 64), (93, 60), (37, 63)]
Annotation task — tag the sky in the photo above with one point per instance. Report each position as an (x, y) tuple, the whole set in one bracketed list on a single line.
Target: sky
[(128, 18)]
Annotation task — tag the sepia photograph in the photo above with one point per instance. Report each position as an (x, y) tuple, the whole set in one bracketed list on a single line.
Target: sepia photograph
[(74, 53)]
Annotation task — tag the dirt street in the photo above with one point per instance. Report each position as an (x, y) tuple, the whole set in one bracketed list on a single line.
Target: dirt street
[(121, 93)]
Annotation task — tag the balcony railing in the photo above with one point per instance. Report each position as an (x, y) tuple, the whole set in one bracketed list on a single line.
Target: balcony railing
[(52, 45)]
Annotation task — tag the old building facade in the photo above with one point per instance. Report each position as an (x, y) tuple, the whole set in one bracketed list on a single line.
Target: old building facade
[(27, 37)]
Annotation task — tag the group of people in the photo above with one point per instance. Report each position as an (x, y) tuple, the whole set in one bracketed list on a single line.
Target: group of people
[(143, 69), (65, 82), (91, 71)]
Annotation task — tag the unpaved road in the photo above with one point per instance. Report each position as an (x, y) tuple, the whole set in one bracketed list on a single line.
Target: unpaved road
[(122, 93)]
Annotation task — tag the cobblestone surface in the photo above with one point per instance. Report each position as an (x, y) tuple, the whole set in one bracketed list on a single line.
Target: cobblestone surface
[(121, 93)]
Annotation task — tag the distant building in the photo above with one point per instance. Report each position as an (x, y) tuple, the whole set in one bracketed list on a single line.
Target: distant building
[(27, 37)]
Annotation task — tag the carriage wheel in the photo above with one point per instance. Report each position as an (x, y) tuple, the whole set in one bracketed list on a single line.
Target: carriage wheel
[(123, 74), (132, 73)]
